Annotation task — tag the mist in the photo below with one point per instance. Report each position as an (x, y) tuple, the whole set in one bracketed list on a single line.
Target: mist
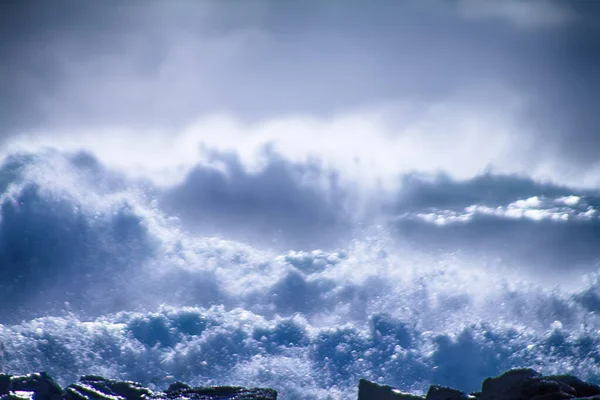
[(299, 195)]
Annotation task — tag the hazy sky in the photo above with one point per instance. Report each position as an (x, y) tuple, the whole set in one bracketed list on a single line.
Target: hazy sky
[(463, 124), (530, 68)]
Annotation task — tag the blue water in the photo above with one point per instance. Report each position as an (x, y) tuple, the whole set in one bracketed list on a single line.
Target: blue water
[(258, 278)]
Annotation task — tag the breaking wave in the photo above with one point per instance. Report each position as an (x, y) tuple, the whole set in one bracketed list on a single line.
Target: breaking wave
[(107, 274)]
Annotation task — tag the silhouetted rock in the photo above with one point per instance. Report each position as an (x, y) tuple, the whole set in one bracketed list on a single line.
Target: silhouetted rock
[(40, 385), (91, 387), (372, 391), (437, 392), (176, 386), (582, 389), (4, 384), (223, 392), (507, 386), (524, 384), (517, 384)]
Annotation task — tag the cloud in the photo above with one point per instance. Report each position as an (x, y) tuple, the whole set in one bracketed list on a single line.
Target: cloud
[(300, 204), (156, 69), (274, 201), (539, 14), (519, 221), (370, 146)]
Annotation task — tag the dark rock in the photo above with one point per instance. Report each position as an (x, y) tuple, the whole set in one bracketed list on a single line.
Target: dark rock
[(222, 393), (507, 386), (437, 392), (93, 378), (91, 387), (372, 391), (529, 385), (4, 384), (582, 389), (82, 391), (24, 382), (553, 396), (42, 386), (526, 384), (126, 389), (18, 395), (546, 386), (517, 384), (177, 386), (73, 393)]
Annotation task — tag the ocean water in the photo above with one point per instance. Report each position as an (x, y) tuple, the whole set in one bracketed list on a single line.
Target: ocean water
[(283, 277)]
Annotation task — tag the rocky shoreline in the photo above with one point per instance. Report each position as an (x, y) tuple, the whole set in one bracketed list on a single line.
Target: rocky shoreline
[(40, 386), (517, 384)]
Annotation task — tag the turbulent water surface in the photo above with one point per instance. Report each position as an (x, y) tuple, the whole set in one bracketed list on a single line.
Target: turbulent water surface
[(99, 274), (299, 194)]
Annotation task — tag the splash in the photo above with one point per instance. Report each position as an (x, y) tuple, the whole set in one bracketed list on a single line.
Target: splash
[(99, 276)]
